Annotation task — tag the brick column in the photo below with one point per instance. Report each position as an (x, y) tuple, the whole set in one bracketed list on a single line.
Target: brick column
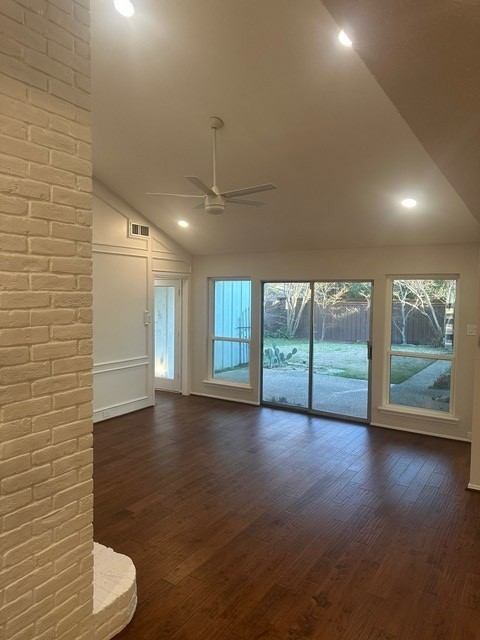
[(46, 570)]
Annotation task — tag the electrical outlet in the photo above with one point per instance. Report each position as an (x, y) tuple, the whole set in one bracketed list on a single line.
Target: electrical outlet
[(471, 329)]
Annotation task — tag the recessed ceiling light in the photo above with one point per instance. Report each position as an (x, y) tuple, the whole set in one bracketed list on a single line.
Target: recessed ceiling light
[(125, 7), (409, 203), (183, 223), (344, 39)]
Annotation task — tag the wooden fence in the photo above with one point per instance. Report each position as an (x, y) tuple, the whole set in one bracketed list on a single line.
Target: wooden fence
[(349, 322)]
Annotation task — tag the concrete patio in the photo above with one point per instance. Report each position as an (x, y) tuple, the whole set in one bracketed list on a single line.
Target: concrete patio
[(349, 397)]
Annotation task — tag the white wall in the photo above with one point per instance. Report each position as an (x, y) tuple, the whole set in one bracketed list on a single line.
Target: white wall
[(475, 453), (369, 264), (124, 271), (123, 275)]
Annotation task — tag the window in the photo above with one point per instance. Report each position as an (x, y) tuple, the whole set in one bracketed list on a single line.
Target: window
[(421, 356), (230, 330)]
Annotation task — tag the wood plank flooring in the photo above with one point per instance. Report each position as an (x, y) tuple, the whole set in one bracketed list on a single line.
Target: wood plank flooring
[(253, 523)]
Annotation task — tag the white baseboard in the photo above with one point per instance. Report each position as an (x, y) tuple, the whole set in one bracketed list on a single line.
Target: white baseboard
[(120, 409), (209, 395), (473, 487), (420, 432)]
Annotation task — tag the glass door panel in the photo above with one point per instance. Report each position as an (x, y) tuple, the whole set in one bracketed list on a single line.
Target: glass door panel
[(286, 343), (340, 367), (167, 335)]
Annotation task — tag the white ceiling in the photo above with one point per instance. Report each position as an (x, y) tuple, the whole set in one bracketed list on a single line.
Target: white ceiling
[(300, 111)]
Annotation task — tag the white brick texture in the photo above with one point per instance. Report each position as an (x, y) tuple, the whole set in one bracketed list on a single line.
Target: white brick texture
[(46, 545)]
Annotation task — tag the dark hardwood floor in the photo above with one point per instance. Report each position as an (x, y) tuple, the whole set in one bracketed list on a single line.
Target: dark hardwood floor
[(249, 523)]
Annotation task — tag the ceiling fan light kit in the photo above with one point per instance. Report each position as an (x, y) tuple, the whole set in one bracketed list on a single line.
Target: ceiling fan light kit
[(213, 200), (214, 204)]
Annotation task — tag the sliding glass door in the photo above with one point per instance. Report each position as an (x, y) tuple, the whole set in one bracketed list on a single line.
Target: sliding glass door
[(341, 329), (316, 346), (286, 343)]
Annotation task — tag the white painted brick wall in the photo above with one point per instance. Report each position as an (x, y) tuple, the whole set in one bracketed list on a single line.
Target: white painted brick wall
[(46, 500)]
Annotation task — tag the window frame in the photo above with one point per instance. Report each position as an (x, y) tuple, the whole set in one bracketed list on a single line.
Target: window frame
[(212, 338), (419, 412)]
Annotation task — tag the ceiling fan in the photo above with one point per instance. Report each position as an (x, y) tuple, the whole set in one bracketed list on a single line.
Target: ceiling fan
[(213, 200)]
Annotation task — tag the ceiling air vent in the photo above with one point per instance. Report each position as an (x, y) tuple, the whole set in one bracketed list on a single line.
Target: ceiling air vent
[(139, 230)]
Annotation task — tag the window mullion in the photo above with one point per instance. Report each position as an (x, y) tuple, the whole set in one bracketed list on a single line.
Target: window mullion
[(422, 355)]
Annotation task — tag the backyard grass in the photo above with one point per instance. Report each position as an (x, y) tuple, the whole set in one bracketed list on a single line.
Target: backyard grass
[(346, 359), (423, 348), (342, 359), (404, 368)]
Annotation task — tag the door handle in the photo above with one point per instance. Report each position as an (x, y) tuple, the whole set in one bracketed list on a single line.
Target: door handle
[(369, 350)]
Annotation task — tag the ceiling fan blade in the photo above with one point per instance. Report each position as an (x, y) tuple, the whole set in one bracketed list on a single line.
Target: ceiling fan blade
[(244, 192), (200, 206), (176, 195), (201, 185), (252, 203)]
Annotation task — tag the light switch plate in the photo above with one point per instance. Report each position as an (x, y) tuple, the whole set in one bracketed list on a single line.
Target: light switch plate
[(471, 329)]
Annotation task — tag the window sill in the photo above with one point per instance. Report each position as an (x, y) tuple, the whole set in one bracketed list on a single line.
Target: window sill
[(228, 384), (430, 416)]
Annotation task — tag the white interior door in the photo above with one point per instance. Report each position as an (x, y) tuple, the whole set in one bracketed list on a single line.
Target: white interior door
[(167, 334)]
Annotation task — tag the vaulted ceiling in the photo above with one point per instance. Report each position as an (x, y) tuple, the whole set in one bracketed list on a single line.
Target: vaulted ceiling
[(426, 56), (345, 134)]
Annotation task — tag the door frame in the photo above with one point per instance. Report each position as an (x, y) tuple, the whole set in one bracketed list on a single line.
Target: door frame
[(180, 362), (309, 409)]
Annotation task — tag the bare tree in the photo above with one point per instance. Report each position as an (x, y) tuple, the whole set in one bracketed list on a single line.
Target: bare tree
[(297, 294), (360, 291), (327, 295), (293, 297), (403, 309), (421, 295)]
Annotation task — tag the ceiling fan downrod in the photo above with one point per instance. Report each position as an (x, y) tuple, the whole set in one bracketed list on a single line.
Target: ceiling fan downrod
[(215, 123)]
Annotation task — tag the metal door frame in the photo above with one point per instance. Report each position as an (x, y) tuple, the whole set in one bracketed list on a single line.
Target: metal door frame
[(309, 409)]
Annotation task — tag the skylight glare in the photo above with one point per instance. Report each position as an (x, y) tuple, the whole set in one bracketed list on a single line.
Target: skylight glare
[(125, 7), (409, 203), (344, 39)]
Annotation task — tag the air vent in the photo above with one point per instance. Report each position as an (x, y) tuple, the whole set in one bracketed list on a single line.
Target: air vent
[(139, 230)]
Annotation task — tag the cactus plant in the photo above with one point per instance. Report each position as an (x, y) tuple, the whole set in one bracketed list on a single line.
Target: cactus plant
[(277, 358)]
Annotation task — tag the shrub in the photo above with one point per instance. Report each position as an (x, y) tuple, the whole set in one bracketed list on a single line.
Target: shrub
[(442, 381)]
